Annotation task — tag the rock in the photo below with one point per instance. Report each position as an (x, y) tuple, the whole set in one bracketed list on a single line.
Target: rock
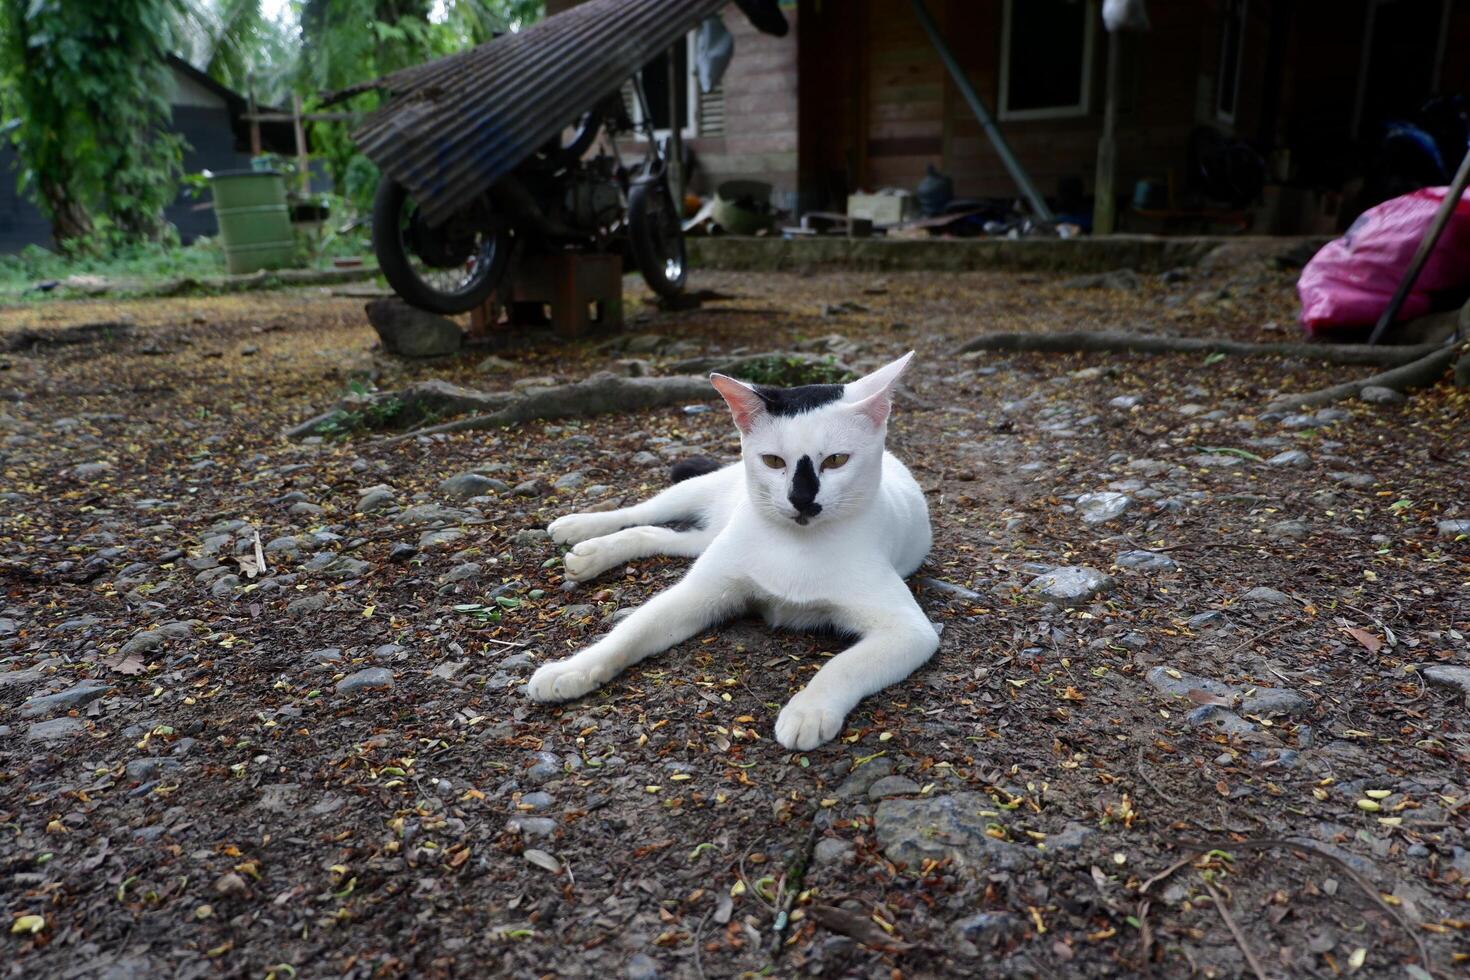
[(1379, 395), (1125, 402), (440, 537), (402, 551), (87, 471), (1098, 508), (75, 696), (640, 966), (326, 655), (569, 481), (430, 514), (1263, 595), (8, 626), (548, 766), (306, 605), (1073, 836), (1268, 701), (529, 537), (859, 780), (391, 653), (532, 826), (1449, 675), (224, 586), (411, 332), (1360, 481), (55, 729), (1291, 457), (467, 485), (342, 568), (1211, 618), (466, 571), (1453, 529), (537, 800), (1070, 586), (989, 928), (833, 851), (944, 828), (892, 786), (528, 488), (1288, 529), (144, 642), (1120, 279), (1223, 719), (376, 499), (1150, 561), (369, 678), (1178, 683)]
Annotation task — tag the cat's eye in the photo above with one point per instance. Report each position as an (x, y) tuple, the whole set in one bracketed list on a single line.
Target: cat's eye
[(774, 462), (835, 461)]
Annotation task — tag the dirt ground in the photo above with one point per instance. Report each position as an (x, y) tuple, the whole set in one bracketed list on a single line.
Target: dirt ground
[(1247, 751)]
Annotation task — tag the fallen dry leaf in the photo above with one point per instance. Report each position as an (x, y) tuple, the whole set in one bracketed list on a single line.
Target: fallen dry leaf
[(1370, 642)]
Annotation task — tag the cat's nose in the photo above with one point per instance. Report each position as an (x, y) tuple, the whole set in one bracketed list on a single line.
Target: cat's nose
[(804, 487)]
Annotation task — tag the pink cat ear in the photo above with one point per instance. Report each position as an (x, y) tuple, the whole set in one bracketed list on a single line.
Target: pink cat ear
[(876, 408), (747, 406), (880, 380)]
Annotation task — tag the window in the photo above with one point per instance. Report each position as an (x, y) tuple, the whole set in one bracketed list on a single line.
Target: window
[(1046, 58), (655, 76), (1232, 35)]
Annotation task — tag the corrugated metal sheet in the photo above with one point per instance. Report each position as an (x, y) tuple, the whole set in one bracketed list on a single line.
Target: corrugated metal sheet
[(456, 125)]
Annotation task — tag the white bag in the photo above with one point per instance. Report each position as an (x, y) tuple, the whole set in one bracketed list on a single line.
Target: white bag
[(714, 46)]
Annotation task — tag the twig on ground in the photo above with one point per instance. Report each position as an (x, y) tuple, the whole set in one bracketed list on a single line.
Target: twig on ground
[(1250, 956)]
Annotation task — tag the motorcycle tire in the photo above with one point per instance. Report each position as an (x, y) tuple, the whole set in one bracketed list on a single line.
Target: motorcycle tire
[(656, 236), (396, 260)]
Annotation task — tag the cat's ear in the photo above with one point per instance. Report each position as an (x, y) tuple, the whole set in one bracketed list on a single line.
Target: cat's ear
[(882, 379), (745, 403), (872, 395)]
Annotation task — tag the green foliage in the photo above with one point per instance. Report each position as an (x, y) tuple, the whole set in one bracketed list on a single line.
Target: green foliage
[(88, 92), (791, 372)]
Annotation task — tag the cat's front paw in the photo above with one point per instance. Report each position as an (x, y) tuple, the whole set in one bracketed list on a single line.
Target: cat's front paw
[(563, 680), (807, 722), (589, 559), (575, 528)]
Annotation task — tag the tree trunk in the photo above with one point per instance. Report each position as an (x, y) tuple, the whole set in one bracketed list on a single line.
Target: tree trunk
[(69, 219)]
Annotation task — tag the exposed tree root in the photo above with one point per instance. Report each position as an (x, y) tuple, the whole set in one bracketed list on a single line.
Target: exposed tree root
[(1419, 373), (1083, 341), (598, 395)]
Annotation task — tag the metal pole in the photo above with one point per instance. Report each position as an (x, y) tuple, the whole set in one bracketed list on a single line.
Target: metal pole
[(1104, 197), (1441, 219), (1028, 189), (676, 135)]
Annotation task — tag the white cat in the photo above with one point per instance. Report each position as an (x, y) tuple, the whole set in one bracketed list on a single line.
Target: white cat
[(817, 525)]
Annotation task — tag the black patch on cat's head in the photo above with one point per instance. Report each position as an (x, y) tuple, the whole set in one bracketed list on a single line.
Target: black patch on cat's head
[(794, 401)]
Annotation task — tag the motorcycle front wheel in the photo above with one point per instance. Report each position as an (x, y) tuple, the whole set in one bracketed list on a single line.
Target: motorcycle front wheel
[(656, 236), (447, 270)]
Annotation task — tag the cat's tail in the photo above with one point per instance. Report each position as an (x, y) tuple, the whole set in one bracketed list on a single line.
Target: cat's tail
[(686, 469)]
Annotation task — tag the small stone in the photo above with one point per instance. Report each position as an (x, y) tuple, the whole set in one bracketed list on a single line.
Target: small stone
[(55, 729), (1263, 595), (577, 613), (1288, 529), (144, 642), (402, 551), (440, 538), (1449, 675), (833, 851), (547, 767), (1073, 836), (1070, 586), (306, 605), (528, 488), (343, 568), (939, 828), (892, 786), (988, 928), (224, 586), (432, 514), (532, 826), (1178, 683), (369, 678), (412, 332), (1147, 560), (1268, 701), (375, 500), (76, 696), (87, 471), (1291, 457), (1126, 402), (1453, 529), (537, 800), (467, 485), (640, 966), (570, 481), (461, 573), (1211, 618), (1098, 508), (1379, 395), (326, 655)]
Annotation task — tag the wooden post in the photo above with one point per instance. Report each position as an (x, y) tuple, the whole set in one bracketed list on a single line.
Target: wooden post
[(1104, 194), (303, 160), (254, 126), (676, 132)]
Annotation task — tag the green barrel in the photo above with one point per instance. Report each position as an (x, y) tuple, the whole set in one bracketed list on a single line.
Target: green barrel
[(254, 224)]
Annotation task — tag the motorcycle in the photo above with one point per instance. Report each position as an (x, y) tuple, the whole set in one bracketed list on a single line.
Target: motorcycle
[(559, 199)]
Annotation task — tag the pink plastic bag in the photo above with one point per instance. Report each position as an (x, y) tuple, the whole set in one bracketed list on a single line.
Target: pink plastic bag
[(1347, 285)]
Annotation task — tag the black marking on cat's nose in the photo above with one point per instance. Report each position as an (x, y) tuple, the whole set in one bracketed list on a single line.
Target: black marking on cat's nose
[(804, 487)]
